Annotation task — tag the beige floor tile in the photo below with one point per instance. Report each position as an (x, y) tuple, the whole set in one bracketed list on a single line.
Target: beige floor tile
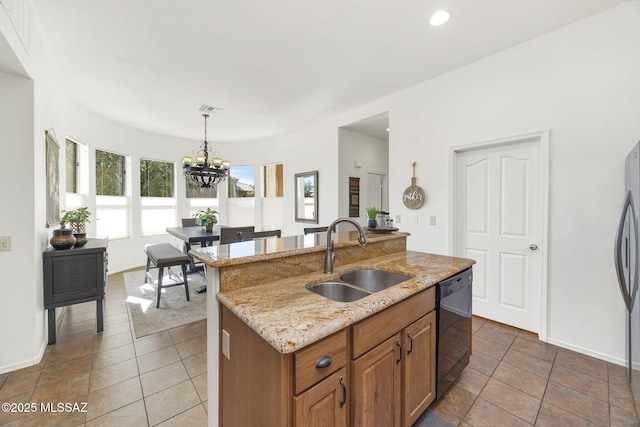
[(516, 402), (133, 415), (187, 332), (552, 416), (113, 374), (196, 364), (157, 359), (111, 357), (151, 343), (584, 364), (483, 413), (200, 383), (114, 397), (19, 382), (588, 385), (192, 346), (171, 402), (577, 403), (196, 416), (539, 367), (521, 380), (162, 378)]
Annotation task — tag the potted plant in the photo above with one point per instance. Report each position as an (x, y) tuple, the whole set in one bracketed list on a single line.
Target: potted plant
[(372, 213), (77, 220), (206, 218)]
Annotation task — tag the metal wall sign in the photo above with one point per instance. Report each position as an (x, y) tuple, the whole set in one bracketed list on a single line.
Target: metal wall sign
[(414, 196)]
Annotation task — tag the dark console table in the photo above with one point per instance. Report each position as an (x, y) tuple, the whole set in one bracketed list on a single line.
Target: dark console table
[(72, 276)]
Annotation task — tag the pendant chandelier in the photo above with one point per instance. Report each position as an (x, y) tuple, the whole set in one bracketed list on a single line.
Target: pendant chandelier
[(204, 171)]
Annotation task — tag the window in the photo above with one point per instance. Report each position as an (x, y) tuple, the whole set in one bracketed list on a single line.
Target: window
[(156, 178), (241, 181), (273, 182), (112, 206), (110, 171), (158, 205), (194, 191), (72, 166)]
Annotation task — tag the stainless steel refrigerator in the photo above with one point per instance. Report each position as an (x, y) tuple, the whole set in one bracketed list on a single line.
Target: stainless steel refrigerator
[(628, 266)]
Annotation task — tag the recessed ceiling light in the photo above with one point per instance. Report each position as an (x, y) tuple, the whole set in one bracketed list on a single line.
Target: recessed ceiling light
[(440, 17)]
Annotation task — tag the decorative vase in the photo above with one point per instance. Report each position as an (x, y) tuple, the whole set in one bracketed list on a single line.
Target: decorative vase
[(62, 238), (372, 223), (81, 239), (79, 232), (209, 227)]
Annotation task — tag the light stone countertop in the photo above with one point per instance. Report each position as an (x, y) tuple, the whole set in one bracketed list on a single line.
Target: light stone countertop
[(290, 317), (270, 248)]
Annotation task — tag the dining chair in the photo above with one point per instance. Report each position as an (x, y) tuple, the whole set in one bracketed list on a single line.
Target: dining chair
[(189, 222), (310, 230), (269, 233), (236, 234)]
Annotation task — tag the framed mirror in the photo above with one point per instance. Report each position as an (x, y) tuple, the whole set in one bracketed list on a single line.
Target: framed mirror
[(306, 185)]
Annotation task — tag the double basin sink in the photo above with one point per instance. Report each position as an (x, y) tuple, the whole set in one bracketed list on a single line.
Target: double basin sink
[(356, 284)]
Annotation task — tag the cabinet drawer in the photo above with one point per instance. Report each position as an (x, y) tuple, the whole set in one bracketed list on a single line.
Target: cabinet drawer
[(375, 329), (306, 371)]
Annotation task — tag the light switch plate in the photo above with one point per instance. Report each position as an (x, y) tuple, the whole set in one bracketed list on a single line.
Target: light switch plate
[(432, 220), (398, 219), (5, 243), (226, 344)]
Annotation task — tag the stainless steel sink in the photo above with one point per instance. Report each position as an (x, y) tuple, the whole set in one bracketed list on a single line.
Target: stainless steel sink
[(338, 291), (373, 280)]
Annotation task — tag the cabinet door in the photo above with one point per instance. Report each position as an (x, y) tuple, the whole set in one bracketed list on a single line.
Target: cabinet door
[(325, 404), (419, 367), (376, 385)]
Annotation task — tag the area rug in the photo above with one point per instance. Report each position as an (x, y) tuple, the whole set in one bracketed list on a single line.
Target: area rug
[(174, 309)]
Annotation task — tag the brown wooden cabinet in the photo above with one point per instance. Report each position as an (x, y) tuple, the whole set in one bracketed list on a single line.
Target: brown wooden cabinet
[(376, 382), (393, 379), (419, 367), (377, 372), (324, 404)]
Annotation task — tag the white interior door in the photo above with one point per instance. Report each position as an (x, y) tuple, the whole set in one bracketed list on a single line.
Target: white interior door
[(498, 224), (374, 190)]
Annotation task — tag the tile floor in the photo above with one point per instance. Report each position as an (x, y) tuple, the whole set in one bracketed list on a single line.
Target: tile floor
[(513, 379)]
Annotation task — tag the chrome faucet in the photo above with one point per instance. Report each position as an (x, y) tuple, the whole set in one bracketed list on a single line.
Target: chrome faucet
[(331, 255)]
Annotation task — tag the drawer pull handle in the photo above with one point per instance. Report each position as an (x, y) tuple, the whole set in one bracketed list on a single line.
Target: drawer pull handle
[(324, 362), (344, 392), (410, 343), (400, 352)]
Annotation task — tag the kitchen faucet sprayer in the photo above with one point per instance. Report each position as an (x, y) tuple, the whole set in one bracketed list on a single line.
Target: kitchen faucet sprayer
[(331, 256)]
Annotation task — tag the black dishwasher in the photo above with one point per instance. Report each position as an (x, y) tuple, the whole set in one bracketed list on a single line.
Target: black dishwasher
[(453, 328)]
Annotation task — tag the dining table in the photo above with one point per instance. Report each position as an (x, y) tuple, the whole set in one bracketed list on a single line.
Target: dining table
[(191, 235)]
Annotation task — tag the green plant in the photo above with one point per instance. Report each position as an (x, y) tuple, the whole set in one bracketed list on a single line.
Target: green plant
[(77, 216), (206, 217), (77, 219), (372, 212)]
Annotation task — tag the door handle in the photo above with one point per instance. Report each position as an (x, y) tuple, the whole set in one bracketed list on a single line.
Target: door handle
[(410, 342), (399, 359), (628, 295), (344, 392), (533, 247)]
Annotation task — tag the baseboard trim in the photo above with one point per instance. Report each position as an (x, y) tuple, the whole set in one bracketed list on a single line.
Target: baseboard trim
[(587, 352)]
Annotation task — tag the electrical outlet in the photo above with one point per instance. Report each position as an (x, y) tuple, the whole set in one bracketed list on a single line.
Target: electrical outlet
[(5, 243), (226, 344), (432, 220)]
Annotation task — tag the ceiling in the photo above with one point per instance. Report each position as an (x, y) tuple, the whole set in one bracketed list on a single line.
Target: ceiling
[(272, 66)]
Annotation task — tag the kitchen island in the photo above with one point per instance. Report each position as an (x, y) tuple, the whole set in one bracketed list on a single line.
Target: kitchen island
[(260, 287)]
